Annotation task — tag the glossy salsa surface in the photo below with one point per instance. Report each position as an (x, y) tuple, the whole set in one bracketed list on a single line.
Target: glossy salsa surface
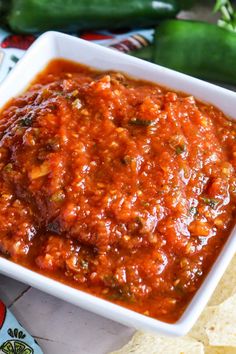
[(118, 187)]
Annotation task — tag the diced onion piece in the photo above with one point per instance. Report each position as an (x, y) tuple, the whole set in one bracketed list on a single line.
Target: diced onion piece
[(40, 171)]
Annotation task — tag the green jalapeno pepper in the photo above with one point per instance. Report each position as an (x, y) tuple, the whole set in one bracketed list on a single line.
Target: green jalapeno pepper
[(199, 49), (28, 16)]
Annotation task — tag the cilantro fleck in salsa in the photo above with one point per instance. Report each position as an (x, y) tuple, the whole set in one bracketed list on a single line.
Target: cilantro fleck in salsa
[(118, 187)]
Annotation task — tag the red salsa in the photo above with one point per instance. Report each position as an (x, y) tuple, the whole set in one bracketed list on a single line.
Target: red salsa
[(115, 186)]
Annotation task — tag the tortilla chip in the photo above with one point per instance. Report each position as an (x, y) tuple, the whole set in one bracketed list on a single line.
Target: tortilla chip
[(220, 350), (227, 285), (198, 331), (145, 343), (221, 327)]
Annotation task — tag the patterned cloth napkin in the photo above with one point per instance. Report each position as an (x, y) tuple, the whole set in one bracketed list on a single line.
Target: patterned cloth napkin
[(14, 339), (13, 47)]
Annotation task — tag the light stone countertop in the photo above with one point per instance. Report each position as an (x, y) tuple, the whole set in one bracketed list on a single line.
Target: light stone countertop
[(59, 327)]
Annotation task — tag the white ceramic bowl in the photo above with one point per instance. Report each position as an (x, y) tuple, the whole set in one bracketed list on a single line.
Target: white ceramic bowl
[(56, 45)]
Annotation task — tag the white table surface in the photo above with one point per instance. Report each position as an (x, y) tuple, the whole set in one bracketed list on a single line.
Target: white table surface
[(59, 327)]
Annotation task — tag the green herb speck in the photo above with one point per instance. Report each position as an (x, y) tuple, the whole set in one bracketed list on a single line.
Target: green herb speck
[(180, 149), (84, 264), (210, 201), (140, 122), (26, 122)]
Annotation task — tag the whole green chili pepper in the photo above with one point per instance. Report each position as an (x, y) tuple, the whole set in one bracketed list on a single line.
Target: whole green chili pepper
[(199, 49), (28, 16), (145, 53)]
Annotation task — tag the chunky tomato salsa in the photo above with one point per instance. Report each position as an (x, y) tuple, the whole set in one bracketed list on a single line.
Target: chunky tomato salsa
[(118, 187)]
